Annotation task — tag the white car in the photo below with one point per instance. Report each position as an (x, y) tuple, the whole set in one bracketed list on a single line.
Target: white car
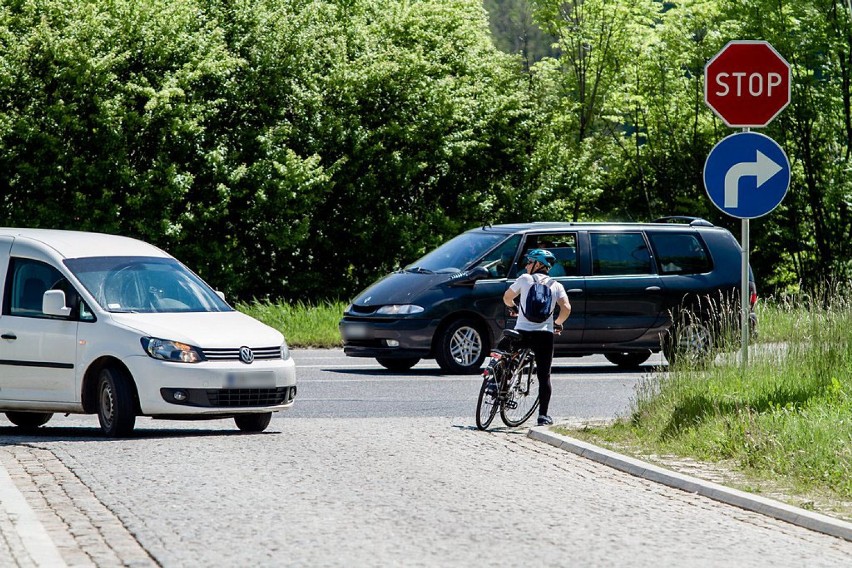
[(95, 323)]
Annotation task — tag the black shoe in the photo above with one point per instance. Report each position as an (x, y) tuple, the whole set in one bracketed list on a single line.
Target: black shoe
[(544, 420)]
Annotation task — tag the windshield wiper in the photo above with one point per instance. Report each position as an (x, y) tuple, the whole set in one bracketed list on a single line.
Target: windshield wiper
[(419, 270)]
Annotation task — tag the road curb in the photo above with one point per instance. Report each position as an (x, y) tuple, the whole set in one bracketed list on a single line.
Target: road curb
[(29, 533), (756, 503)]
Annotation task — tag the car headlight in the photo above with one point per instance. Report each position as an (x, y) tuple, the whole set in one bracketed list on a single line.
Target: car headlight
[(285, 351), (171, 350), (399, 310)]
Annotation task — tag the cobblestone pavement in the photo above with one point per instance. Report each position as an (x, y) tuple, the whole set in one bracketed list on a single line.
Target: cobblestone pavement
[(376, 492)]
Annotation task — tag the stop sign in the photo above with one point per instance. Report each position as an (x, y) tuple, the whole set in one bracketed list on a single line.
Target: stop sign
[(747, 83)]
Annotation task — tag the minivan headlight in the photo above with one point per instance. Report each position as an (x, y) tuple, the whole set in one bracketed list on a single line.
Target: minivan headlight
[(399, 310), (171, 350), (285, 351)]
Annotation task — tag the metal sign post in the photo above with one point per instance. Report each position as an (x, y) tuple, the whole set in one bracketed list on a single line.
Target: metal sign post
[(744, 296), (746, 175)]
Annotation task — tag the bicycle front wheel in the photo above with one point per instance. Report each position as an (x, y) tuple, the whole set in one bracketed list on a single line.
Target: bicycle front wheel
[(486, 404), (522, 395)]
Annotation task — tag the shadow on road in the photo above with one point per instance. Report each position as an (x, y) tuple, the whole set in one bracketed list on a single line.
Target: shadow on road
[(11, 435), (603, 368)]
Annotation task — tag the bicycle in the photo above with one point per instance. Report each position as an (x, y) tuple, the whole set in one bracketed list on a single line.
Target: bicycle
[(510, 384)]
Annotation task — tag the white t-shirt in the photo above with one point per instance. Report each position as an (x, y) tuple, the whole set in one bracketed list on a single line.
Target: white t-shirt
[(523, 285)]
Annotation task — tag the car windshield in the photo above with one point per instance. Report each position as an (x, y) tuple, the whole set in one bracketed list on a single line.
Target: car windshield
[(145, 285), (458, 253)]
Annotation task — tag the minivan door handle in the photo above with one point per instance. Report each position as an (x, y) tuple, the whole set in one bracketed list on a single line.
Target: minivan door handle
[(575, 291), (9, 336), (653, 289)]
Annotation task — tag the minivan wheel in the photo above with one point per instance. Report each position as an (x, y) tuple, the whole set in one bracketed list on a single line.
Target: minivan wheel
[(397, 364), (253, 422), (29, 421), (689, 342), (628, 360), (115, 403), (461, 348)]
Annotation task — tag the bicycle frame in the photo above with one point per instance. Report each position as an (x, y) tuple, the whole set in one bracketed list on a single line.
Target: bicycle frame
[(513, 373)]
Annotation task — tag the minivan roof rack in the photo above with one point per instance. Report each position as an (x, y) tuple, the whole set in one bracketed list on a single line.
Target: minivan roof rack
[(691, 221)]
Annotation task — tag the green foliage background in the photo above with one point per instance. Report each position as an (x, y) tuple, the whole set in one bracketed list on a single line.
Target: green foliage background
[(298, 149)]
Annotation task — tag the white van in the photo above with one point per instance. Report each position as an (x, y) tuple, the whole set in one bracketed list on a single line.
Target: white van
[(95, 323)]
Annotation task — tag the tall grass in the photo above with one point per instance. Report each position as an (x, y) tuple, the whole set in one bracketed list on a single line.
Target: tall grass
[(788, 414), (303, 325)]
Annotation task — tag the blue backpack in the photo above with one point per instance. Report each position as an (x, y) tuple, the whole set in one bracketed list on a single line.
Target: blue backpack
[(539, 299)]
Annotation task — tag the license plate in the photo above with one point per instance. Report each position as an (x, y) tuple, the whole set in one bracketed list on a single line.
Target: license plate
[(254, 380), (355, 331)]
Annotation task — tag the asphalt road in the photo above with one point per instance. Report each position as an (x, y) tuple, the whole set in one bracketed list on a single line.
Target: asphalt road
[(333, 385)]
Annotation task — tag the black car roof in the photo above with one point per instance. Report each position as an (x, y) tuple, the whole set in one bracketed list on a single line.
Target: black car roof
[(664, 223)]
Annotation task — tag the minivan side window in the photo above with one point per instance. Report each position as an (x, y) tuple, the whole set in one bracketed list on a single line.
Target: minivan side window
[(679, 253), (27, 282), (564, 249), (619, 254), (499, 260)]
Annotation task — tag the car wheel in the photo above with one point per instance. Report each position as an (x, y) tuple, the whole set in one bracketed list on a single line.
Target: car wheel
[(253, 422), (689, 341), (628, 360), (116, 412), (397, 364), (29, 421), (461, 348)]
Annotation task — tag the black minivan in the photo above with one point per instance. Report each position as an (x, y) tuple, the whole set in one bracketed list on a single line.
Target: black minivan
[(634, 289)]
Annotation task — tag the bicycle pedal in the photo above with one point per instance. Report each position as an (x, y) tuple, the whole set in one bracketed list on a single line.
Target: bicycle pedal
[(511, 405)]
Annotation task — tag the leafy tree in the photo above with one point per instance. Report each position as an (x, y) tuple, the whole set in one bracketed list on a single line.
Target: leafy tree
[(514, 30), (424, 123), (582, 99), (137, 117), (264, 143)]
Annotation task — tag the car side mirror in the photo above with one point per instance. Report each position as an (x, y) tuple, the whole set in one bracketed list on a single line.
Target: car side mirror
[(468, 277), (53, 304), (220, 294)]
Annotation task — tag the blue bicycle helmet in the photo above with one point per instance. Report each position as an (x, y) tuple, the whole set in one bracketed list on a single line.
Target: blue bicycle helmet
[(543, 256)]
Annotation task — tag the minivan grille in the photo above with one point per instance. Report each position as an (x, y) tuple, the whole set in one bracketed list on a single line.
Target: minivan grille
[(356, 309), (233, 353), (231, 398)]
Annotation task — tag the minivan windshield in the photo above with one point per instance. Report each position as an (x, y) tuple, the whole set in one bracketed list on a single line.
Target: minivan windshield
[(458, 253), (145, 285)]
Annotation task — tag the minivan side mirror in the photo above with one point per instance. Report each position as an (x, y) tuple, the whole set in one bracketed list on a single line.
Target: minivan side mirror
[(53, 304), (468, 277), (220, 294)]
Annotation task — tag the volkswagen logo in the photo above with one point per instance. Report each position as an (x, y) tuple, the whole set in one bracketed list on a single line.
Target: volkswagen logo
[(246, 355)]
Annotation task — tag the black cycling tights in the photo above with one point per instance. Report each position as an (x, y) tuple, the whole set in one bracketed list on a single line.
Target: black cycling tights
[(541, 343)]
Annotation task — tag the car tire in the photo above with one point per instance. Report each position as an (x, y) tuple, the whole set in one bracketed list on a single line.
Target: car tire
[(116, 408), (689, 341), (29, 421), (628, 360), (397, 365), (253, 423), (461, 348)]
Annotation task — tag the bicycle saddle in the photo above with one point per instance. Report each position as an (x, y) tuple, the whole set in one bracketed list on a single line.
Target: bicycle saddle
[(511, 334)]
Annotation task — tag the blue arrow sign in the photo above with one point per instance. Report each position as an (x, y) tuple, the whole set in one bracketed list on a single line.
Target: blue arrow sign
[(747, 175)]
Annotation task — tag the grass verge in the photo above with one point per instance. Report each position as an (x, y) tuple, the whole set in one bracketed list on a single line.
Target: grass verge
[(781, 427), (301, 324)]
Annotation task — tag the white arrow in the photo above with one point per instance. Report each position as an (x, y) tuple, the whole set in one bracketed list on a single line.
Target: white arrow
[(763, 168)]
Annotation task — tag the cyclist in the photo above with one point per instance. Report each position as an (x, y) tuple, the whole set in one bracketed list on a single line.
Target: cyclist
[(539, 336)]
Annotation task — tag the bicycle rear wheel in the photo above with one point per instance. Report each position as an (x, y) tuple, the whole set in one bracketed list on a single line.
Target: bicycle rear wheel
[(522, 396), (486, 404)]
